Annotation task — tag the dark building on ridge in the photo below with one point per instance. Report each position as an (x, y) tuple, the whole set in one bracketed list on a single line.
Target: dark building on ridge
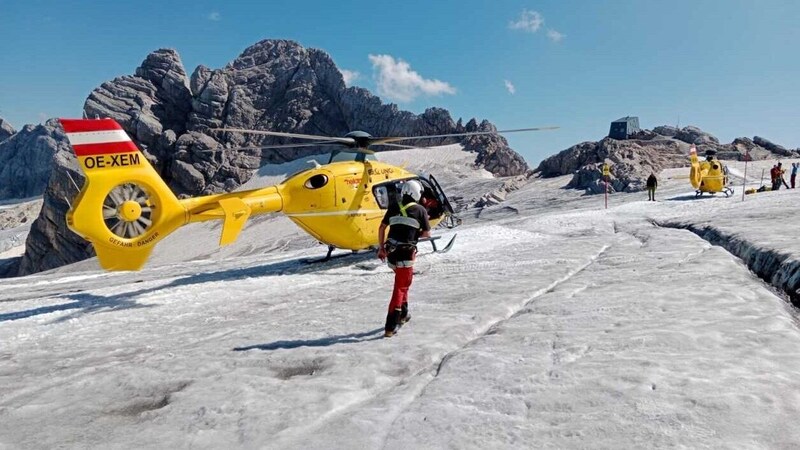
[(623, 128)]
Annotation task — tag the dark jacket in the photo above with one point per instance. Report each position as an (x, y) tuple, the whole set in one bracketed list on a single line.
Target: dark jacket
[(406, 223), (652, 182)]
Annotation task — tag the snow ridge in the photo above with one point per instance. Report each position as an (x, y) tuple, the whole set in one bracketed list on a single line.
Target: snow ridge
[(781, 270)]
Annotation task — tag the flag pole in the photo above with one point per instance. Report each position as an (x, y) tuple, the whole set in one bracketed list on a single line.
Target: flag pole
[(744, 183)]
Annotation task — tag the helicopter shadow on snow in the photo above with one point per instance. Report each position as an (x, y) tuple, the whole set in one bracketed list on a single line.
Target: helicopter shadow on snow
[(84, 303), (688, 197), (351, 338), (87, 303)]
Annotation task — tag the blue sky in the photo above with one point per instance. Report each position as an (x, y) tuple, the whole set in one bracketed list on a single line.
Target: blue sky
[(730, 67)]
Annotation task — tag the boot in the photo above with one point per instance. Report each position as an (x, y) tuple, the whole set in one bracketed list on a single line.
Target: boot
[(392, 322), (404, 315)]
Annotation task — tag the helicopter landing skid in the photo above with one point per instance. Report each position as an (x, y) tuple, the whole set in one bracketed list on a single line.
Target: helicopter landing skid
[(329, 256), (727, 191), (433, 240)]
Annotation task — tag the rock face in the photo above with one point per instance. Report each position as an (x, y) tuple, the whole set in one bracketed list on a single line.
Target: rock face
[(26, 159), (273, 85), (774, 148), (633, 160), (6, 130), (631, 163), (50, 243)]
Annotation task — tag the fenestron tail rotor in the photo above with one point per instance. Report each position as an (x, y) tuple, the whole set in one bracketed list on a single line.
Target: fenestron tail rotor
[(127, 210)]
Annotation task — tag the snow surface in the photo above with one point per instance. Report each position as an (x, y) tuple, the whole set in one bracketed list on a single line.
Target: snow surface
[(552, 323)]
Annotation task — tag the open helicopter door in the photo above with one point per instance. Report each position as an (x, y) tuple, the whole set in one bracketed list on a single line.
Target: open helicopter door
[(450, 220), (389, 192)]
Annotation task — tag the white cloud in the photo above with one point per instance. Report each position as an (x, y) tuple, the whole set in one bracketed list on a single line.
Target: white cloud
[(529, 21), (398, 82), (42, 117), (554, 35), (350, 76), (510, 86), (214, 16)]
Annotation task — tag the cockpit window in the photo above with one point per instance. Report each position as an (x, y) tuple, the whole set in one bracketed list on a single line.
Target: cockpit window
[(317, 181), (382, 196)]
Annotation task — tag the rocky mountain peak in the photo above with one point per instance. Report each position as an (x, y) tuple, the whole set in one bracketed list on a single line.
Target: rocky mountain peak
[(6, 130), (163, 64), (267, 51)]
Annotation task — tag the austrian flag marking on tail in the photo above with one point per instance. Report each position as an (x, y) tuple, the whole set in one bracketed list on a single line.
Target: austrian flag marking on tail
[(101, 143)]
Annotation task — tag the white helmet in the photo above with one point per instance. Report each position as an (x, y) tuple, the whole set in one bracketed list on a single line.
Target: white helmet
[(413, 189)]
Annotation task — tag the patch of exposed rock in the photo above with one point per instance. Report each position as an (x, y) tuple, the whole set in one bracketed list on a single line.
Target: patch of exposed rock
[(774, 148), (650, 151), (26, 160), (6, 130), (15, 223), (18, 215), (50, 243), (498, 195)]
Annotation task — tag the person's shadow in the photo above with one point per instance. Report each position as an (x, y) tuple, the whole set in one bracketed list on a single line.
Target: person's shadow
[(352, 338)]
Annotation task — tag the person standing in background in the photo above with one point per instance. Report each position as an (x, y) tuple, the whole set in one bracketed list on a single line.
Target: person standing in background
[(794, 173), (652, 184)]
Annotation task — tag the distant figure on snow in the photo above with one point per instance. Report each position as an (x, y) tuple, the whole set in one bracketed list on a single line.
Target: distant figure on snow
[(775, 175), (407, 222), (795, 166), (652, 184), (781, 180)]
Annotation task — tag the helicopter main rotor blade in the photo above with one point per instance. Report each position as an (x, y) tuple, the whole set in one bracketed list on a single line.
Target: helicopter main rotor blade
[(383, 140), (270, 147), (342, 140), (397, 146)]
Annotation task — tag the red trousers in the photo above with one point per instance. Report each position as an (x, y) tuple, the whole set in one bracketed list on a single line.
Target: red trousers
[(402, 281)]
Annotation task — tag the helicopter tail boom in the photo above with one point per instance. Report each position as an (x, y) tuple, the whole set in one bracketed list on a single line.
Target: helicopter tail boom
[(233, 209)]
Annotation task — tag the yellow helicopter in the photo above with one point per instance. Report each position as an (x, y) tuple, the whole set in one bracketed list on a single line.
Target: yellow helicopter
[(709, 176), (125, 208)]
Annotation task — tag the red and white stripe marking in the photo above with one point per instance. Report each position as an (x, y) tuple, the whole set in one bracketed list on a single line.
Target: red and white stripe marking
[(91, 137)]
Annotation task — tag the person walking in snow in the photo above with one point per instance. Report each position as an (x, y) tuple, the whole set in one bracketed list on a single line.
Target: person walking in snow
[(407, 222), (795, 166), (652, 184)]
